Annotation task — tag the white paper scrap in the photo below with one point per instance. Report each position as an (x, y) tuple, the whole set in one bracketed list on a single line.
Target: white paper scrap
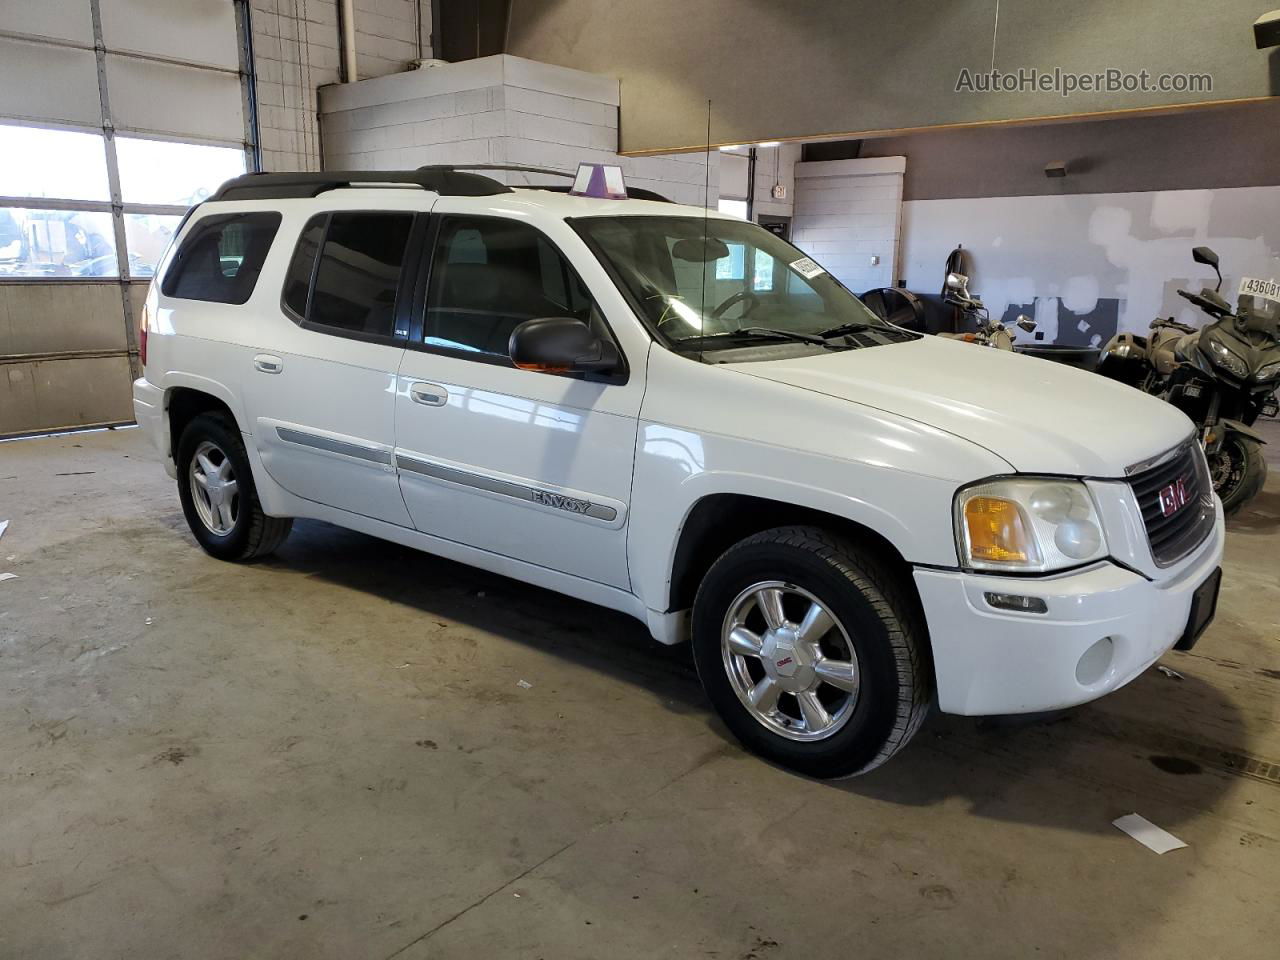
[(1148, 834), (8, 576), (524, 684), (4, 525)]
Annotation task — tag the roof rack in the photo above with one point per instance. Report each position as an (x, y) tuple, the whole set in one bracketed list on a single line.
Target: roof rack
[(450, 181), (278, 186), (635, 193)]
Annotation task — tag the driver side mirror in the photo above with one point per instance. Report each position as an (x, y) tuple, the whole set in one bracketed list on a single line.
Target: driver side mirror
[(561, 345), (1206, 255)]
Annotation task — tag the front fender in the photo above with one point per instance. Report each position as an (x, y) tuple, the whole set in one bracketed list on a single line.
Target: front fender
[(1235, 426), (675, 469)]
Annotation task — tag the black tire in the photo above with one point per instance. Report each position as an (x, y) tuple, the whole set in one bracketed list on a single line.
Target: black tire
[(253, 534), (1252, 472), (883, 624)]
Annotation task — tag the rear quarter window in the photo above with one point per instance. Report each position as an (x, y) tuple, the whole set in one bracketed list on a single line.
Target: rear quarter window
[(220, 260)]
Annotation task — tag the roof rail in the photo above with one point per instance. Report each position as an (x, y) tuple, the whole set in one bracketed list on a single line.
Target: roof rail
[(445, 181), (448, 181)]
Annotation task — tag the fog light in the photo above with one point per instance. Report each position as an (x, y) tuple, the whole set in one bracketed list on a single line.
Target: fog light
[(1016, 603), (1095, 662)]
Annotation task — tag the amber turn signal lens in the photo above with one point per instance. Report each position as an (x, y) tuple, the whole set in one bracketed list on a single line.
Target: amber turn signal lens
[(997, 531)]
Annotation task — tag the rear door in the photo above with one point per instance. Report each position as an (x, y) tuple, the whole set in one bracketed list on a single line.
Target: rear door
[(529, 465), (320, 390)]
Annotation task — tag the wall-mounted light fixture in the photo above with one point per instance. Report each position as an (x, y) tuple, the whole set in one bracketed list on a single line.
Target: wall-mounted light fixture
[(1266, 30), (1055, 170)]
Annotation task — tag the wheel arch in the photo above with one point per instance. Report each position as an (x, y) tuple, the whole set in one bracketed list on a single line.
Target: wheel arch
[(718, 520), (184, 401)]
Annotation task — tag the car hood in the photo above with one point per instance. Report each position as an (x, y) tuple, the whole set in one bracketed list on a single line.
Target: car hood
[(1039, 416)]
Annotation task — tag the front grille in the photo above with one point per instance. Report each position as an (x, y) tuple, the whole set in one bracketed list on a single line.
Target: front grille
[(1173, 533)]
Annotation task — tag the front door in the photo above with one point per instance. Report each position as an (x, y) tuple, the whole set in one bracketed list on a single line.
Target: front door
[(320, 391), (528, 465)]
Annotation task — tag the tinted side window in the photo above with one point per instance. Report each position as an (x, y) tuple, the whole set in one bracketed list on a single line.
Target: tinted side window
[(488, 276), (297, 281), (359, 271), (220, 259)]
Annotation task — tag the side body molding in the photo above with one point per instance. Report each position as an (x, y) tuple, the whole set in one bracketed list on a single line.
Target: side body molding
[(577, 504)]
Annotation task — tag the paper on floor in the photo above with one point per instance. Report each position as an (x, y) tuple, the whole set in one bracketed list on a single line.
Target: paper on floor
[(8, 576), (1148, 834), (3, 526)]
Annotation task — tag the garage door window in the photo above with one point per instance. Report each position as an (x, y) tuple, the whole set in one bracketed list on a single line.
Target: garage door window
[(173, 173), (67, 227), (56, 243), (220, 259), (487, 277), (55, 164), (352, 290)]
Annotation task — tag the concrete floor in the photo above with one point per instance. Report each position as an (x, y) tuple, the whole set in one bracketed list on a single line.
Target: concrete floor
[(329, 754)]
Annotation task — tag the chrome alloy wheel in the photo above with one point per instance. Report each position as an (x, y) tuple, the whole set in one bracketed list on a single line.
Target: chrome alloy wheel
[(790, 661), (214, 490)]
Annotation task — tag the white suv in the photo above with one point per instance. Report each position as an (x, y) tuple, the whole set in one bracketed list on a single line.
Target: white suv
[(678, 415)]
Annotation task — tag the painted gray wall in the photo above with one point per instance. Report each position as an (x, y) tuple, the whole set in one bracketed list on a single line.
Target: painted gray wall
[(777, 70), (1232, 146), (1089, 264)]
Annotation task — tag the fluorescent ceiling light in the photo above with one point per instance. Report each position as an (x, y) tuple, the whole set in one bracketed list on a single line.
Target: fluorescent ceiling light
[(732, 146), (769, 143)]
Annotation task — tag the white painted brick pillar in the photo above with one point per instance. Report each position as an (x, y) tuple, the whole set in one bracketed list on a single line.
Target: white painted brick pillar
[(849, 212), (499, 109)]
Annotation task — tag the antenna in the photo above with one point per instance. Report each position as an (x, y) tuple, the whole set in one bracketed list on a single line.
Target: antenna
[(706, 200)]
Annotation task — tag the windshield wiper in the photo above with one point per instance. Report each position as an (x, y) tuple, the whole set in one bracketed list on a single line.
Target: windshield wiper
[(764, 333), (815, 339), (855, 326)]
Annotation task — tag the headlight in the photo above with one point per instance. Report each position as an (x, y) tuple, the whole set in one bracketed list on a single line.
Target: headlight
[(1268, 372), (1027, 525), (1225, 358)]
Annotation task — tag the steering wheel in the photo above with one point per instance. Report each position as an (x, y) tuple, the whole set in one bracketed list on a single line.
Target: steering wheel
[(733, 298)]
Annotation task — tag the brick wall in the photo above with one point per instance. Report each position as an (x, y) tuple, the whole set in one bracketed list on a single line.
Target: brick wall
[(297, 50), (496, 110), (848, 211)]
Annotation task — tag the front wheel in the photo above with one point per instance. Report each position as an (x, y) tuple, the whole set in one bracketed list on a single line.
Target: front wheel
[(811, 651), (1239, 471)]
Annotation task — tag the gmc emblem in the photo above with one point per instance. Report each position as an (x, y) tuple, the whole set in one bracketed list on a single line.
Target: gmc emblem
[(1174, 497)]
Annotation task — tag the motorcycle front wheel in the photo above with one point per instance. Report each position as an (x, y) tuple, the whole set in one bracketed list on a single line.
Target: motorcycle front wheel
[(1239, 470)]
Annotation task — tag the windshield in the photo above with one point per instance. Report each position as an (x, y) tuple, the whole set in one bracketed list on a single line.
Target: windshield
[(740, 280)]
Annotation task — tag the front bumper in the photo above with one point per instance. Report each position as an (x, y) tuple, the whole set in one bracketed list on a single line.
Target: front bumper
[(1104, 626)]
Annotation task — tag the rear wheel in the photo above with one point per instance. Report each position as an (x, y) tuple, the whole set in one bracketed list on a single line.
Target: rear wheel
[(811, 651), (1239, 471), (218, 497)]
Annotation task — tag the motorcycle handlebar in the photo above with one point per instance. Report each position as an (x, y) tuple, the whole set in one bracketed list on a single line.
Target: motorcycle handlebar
[(1208, 306)]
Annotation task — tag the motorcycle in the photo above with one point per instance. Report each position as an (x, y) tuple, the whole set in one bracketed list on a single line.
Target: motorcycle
[(1223, 375), (990, 333)]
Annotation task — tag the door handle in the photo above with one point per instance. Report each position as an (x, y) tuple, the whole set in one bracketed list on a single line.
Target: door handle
[(264, 363), (429, 394)]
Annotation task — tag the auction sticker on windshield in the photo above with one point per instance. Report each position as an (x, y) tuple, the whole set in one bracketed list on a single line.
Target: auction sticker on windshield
[(1267, 289), (806, 268)]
